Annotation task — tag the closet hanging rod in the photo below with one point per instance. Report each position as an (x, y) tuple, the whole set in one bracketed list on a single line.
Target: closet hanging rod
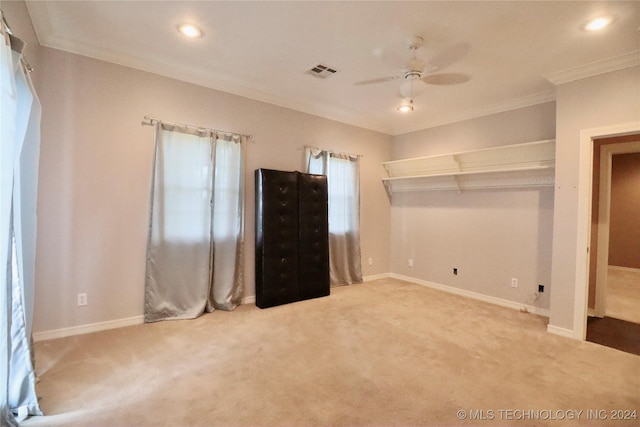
[(150, 121), (331, 151)]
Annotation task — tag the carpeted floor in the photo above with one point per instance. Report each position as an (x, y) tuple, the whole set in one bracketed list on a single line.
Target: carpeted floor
[(385, 353)]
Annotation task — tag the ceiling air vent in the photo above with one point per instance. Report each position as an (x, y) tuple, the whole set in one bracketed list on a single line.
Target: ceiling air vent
[(321, 71)]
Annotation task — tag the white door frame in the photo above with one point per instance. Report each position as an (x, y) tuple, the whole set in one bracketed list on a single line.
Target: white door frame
[(604, 213), (585, 177)]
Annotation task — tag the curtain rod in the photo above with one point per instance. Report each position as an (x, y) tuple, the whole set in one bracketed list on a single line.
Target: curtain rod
[(150, 121), (15, 42), (6, 24), (332, 151)]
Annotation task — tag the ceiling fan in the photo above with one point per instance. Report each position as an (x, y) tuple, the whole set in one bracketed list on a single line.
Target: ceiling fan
[(417, 74)]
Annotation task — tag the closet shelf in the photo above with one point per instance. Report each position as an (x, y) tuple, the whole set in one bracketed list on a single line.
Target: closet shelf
[(520, 165)]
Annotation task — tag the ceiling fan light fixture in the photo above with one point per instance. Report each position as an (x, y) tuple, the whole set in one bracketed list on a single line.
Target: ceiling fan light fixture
[(412, 87), (406, 107)]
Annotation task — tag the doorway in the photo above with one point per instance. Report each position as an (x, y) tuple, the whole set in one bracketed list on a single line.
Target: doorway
[(614, 264)]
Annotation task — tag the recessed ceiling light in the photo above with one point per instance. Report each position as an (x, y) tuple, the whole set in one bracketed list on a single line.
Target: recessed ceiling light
[(190, 30), (598, 23)]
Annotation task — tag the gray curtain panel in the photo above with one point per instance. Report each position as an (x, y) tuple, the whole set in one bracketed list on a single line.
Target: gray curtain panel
[(194, 250), (343, 181), (228, 224)]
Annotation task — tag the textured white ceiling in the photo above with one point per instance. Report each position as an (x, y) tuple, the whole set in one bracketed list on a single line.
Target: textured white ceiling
[(262, 50)]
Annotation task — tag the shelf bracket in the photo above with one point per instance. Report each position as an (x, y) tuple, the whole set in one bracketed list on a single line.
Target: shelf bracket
[(457, 181), (387, 187), (457, 161)]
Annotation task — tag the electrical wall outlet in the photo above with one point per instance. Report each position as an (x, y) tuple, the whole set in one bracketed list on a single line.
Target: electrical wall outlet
[(541, 288), (82, 300), (455, 271), (370, 261), (514, 283), (410, 263)]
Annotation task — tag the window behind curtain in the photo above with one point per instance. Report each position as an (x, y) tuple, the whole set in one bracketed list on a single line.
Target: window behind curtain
[(343, 205), (187, 175), (194, 252)]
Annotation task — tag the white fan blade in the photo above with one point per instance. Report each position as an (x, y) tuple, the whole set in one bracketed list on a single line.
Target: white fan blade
[(378, 80), (449, 56), (446, 79)]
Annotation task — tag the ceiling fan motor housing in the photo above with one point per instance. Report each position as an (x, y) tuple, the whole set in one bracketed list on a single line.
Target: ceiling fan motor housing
[(415, 65)]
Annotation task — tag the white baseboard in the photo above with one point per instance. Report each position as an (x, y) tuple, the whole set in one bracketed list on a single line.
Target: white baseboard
[(470, 294), (252, 299), (101, 326), (87, 329), (376, 277), (563, 332), (137, 320)]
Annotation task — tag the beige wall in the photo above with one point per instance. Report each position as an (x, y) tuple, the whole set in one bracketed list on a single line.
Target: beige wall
[(601, 101), (624, 233), (529, 124), (95, 177), (490, 236), (96, 160)]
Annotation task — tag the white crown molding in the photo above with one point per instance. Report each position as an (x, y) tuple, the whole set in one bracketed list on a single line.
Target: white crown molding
[(40, 19), (616, 63), (208, 81), (46, 36), (200, 78)]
